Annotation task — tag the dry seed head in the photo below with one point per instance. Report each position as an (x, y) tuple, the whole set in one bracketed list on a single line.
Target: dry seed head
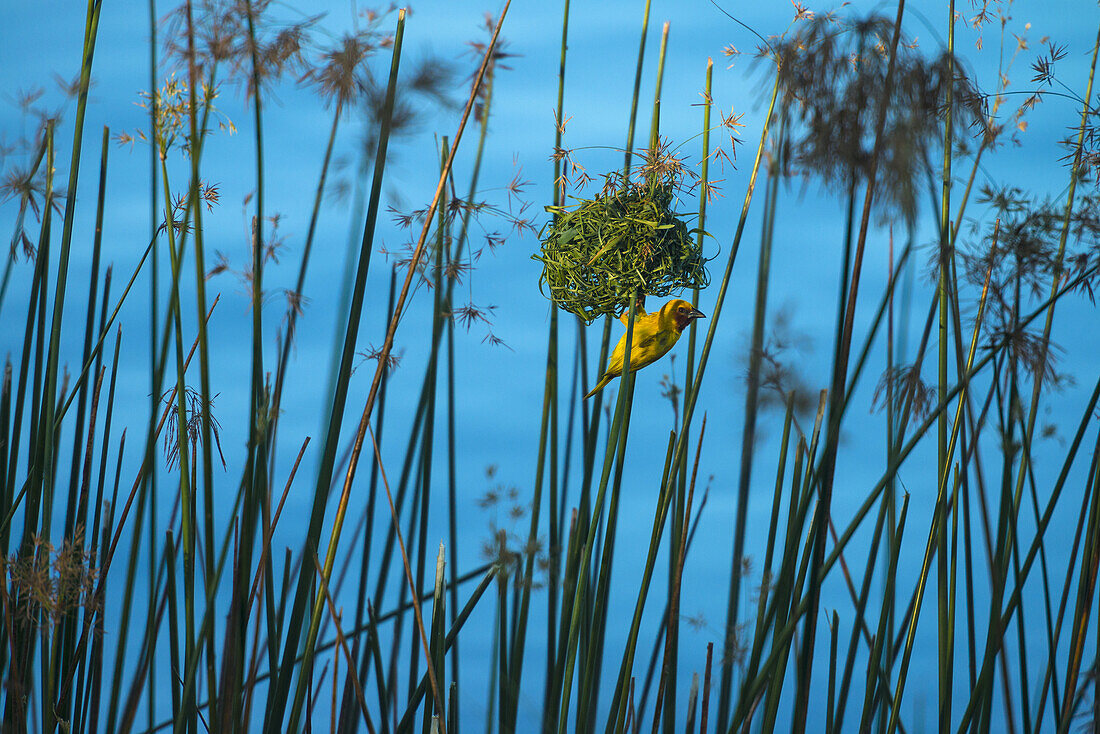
[(49, 582), (172, 106)]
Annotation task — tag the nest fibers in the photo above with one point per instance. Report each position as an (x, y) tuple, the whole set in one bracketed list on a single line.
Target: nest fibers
[(597, 255)]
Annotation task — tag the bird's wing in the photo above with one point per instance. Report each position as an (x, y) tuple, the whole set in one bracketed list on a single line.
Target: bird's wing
[(615, 362)]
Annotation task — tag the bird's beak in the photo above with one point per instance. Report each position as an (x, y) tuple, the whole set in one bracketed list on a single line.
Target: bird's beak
[(696, 314)]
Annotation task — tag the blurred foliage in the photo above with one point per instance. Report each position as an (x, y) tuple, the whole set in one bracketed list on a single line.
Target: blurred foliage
[(833, 76)]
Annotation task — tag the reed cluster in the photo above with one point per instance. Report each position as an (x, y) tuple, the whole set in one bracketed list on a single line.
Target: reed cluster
[(149, 594)]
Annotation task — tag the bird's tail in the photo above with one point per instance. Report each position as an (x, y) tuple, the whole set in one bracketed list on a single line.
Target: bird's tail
[(600, 385)]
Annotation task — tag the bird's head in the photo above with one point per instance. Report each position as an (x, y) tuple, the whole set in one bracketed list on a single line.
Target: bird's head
[(681, 313)]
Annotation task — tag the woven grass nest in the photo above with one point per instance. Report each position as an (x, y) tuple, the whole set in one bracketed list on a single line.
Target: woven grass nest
[(602, 251)]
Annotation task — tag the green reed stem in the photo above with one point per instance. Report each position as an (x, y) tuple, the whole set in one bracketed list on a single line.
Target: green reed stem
[(748, 434), (840, 372), (279, 693), (555, 502), (945, 624), (637, 90), (90, 33), (580, 600), (692, 395), (704, 196)]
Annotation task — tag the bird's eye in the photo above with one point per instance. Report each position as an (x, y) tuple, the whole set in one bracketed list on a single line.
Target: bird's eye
[(683, 310)]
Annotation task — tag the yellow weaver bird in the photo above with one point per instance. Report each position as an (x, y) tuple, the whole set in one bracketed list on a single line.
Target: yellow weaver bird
[(654, 335)]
